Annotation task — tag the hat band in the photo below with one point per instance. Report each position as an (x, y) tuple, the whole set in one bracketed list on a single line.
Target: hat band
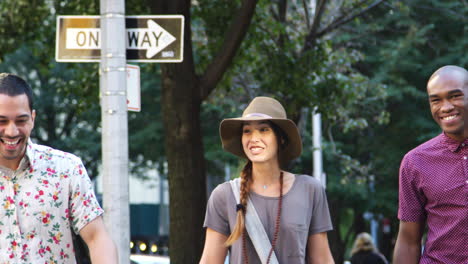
[(258, 115)]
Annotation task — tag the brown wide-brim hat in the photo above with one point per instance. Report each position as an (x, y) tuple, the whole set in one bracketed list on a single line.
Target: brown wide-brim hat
[(261, 108)]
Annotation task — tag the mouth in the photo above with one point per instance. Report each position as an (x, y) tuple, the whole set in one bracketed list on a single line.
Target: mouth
[(255, 149), (10, 143), (449, 118)]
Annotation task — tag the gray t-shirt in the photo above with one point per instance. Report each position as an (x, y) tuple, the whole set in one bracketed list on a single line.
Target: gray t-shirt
[(304, 213)]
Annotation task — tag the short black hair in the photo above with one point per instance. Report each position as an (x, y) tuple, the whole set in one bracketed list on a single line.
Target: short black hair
[(13, 85)]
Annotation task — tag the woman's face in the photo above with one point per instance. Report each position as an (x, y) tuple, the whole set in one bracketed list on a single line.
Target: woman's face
[(259, 142)]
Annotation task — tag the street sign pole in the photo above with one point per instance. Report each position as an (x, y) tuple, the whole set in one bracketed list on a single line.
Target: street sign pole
[(317, 147), (114, 125)]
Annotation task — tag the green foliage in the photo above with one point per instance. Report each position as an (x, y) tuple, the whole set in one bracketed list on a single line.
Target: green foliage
[(146, 142), (403, 42), (66, 95), (14, 28), (367, 79)]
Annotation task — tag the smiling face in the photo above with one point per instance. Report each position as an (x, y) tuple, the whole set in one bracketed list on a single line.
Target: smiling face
[(16, 124), (447, 101), (259, 142)]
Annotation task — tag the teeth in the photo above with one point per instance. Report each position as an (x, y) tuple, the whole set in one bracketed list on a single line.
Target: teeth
[(447, 118), (11, 143)]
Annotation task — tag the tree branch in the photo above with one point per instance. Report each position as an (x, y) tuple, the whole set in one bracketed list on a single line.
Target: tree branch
[(343, 20), (232, 42), (349, 11), (310, 39), (319, 10), (282, 10), (306, 12), (332, 140), (67, 125), (444, 10)]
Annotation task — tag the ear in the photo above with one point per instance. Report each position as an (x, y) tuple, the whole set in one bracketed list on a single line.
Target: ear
[(283, 143), (33, 116)]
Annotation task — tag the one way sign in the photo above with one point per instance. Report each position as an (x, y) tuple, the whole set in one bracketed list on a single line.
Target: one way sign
[(148, 38)]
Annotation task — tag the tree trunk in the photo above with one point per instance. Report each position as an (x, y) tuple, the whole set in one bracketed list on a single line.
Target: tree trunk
[(186, 170), (180, 105), (182, 94), (338, 249)]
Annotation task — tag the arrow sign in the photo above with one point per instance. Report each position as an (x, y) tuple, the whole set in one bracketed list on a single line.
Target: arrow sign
[(149, 38), (153, 39)]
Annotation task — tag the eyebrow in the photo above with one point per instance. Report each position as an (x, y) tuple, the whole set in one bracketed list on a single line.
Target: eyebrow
[(451, 92), (20, 116)]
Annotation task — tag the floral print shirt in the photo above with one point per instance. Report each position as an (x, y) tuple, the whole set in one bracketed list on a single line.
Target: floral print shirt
[(48, 196)]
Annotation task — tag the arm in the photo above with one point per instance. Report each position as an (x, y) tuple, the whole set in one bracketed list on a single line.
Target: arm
[(408, 244), (318, 250), (101, 247), (215, 251)]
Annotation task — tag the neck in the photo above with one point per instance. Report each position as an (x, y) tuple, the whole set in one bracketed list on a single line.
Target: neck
[(265, 175), (10, 164), (459, 138)]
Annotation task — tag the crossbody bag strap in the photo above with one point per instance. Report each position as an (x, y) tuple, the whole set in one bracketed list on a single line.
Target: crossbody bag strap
[(254, 227)]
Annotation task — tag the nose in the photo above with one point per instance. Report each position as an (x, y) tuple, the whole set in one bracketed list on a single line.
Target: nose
[(11, 130), (447, 106), (255, 136)]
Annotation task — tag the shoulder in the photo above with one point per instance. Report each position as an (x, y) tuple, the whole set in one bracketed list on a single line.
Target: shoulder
[(309, 186), (379, 258), (220, 191), (426, 147), (423, 153), (308, 181), (46, 154)]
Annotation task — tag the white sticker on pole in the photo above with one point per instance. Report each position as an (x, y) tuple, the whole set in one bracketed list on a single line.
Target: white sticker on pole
[(133, 88)]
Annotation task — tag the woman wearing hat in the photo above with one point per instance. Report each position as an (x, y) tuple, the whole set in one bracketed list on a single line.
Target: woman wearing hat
[(273, 216)]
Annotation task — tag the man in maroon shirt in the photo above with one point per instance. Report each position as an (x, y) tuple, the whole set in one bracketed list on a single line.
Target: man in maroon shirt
[(434, 180)]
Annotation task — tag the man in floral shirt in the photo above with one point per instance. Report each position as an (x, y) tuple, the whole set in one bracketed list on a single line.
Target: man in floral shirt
[(45, 194)]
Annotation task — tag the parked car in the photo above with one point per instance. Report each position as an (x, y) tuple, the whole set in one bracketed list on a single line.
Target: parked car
[(148, 259)]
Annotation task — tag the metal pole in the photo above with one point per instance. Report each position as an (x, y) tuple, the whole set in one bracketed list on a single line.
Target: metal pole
[(114, 125), (317, 147)]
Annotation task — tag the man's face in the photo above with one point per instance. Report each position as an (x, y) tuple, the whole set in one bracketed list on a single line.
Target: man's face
[(447, 101), (16, 124), (465, 91)]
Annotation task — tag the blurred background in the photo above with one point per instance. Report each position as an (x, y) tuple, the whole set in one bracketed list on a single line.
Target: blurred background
[(362, 64)]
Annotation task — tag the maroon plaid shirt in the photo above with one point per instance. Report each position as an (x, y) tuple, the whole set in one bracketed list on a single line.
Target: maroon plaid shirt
[(434, 188)]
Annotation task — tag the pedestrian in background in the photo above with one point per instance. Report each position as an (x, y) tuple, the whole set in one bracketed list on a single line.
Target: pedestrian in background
[(292, 209), (364, 251), (45, 194), (433, 179)]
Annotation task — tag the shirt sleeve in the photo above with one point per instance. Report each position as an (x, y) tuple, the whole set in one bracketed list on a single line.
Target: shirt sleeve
[(216, 216), (411, 200), (320, 220), (84, 206)]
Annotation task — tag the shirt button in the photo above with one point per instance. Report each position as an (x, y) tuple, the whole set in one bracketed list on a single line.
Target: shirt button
[(465, 157)]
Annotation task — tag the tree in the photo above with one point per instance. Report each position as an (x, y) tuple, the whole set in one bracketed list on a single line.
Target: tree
[(334, 55), (66, 98), (184, 87), (404, 42), (291, 54), (183, 91)]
